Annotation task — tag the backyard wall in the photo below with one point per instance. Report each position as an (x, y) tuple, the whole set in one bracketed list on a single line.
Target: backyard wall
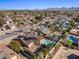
[(53, 51)]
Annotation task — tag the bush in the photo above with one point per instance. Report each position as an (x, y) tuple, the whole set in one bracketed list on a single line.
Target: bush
[(45, 51)]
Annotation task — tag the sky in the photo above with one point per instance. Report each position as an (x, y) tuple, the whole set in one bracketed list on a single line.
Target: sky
[(39, 4)]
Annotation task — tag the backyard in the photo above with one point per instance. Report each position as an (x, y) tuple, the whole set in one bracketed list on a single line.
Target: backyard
[(66, 53)]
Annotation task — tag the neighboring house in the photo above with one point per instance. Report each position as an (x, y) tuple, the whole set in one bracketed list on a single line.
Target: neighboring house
[(64, 24), (3, 28), (45, 29), (74, 31), (9, 23), (73, 37), (28, 41), (7, 53), (72, 40), (77, 24)]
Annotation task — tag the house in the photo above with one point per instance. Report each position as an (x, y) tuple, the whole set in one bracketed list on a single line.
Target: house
[(28, 41), (45, 29), (74, 31), (7, 53), (9, 23), (64, 23), (77, 25), (73, 37), (72, 40)]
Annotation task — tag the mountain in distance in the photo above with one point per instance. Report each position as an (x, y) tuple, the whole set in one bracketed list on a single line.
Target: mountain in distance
[(63, 8)]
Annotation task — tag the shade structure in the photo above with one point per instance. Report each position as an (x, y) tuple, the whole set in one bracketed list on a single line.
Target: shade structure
[(47, 42)]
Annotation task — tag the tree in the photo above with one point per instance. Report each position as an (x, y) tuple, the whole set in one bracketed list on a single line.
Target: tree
[(2, 21), (64, 34), (15, 45), (39, 32), (76, 18), (39, 18), (35, 21), (46, 14), (72, 24), (69, 28), (36, 57), (46, 23), (45, 51)]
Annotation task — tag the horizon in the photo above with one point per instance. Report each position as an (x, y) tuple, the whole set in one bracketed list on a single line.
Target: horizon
[(44, 8), (36, 4)]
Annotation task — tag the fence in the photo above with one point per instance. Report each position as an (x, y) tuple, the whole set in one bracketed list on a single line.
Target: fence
[(53, 51)]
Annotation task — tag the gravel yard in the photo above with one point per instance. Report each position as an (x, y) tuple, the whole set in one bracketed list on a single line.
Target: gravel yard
[(64, 53)]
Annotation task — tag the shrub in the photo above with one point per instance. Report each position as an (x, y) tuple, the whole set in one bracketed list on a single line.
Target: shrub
[(36, 57), (45, 51)]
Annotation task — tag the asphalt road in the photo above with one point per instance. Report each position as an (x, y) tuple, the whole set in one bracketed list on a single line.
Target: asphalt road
[(6, 36), (12, 33)]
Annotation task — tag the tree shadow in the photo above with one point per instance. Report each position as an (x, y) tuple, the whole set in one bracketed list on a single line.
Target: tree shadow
[(73, 56)]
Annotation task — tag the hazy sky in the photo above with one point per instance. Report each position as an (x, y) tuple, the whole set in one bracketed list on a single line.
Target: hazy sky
[(32, 4)]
